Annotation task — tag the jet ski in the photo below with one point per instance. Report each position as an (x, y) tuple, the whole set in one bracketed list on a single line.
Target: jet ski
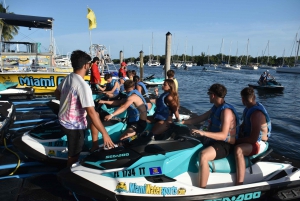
[(10, 91), (153, 82), (47, 143), (168, 170), (271, 86)]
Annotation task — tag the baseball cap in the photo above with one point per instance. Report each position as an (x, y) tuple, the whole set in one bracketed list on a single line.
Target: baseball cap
[(123, 64)]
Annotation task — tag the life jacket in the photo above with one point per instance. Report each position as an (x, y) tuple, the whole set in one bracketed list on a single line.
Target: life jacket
[(110, 86), (133, 113), (216, 123), (262, 77), (144, 89), (247, 123), (162, 110)]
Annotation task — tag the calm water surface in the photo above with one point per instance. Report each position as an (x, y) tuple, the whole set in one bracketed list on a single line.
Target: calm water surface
[(283, 108)]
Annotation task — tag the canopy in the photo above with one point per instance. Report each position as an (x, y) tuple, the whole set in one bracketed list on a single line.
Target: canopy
[(27, 21)]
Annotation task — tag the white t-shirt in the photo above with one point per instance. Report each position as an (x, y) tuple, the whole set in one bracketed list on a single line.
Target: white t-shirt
[(75, 96)]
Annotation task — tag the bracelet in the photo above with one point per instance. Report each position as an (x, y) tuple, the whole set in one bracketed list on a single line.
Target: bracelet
[(112, 115)]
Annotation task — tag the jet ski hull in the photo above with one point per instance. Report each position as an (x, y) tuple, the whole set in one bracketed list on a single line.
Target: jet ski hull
[(260, 191), (167, 170), (271, 88)]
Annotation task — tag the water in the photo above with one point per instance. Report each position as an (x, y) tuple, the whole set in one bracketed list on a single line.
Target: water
[(283, 108)]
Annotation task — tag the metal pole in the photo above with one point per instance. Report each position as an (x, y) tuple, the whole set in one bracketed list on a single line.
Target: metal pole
[(121, 56), (141, 64), (168, 52)]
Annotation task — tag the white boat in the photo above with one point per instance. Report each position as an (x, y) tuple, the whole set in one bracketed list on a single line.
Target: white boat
[(177, 64), (63, 60), (153, 63), (294, 69), (230, 67), (263, 66), (249, 66), (138, 64)]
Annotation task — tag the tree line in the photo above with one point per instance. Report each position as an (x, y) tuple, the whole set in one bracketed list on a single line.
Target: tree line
[(202, 59)]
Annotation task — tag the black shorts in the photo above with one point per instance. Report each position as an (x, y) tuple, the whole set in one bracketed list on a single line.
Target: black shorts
[(222, 148), (75, 140), (137, 126), (147, 100)]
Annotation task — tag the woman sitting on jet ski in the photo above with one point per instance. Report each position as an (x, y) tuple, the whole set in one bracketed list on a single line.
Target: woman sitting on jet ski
[(166, 105)]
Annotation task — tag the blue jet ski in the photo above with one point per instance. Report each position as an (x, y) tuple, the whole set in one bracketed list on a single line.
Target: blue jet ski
[(149, 170), (270, 86)]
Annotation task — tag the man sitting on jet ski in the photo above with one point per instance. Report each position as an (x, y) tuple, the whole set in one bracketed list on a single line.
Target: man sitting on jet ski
[(76, 102), (141, 87), (136, 107), (112, 87), (254, 132), (222, 130), (263, 78)]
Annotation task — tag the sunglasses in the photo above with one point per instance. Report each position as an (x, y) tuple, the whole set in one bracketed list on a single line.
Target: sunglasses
[(209, 93)]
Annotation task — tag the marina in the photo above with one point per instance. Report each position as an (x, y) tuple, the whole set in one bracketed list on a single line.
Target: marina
[(149, 165)]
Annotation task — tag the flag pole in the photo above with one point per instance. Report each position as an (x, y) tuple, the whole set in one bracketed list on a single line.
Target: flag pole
[(91, 43)]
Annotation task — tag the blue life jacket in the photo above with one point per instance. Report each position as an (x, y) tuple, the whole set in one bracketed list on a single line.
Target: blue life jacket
[(247, 123), (162, 111), (133, 113), (110, 86), (144, 89), (216, 119)]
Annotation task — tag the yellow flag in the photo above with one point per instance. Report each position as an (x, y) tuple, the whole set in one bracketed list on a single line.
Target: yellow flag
[(92, 19)]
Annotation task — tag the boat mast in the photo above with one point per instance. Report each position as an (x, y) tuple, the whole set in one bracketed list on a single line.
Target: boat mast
[(296, 57), (208, 55), (221, 50), (268, 55), (237, 49), (247, 52), (283, 57), (229, 53)]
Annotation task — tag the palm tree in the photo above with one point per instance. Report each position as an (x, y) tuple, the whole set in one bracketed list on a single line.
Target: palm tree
[(8, 31)]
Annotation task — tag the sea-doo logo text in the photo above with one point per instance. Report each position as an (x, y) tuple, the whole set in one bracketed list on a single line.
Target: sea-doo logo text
[(118, 155), (241, 197)]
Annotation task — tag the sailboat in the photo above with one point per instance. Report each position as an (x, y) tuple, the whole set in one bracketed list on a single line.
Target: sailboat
[(296, 68), (266, 66), (228, 66), (247, 66), (152, 62), (186, 64)]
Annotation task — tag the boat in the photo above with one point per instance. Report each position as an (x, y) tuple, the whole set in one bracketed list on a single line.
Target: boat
[(42, 71), (32, 67), (10, 91), (249, 66), (271, 86), (296, 68), (152, 62), (232, 67), (147, 169), (266, 66)]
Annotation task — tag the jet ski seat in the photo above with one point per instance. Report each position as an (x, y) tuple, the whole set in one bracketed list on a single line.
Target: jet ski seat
[(227, 164)]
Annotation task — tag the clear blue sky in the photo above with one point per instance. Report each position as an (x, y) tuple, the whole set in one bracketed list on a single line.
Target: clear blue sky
[(128, 25)]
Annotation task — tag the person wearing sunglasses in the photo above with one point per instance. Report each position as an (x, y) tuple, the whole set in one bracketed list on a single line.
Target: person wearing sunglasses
[(76, 102), (95, 78), (222, 130)]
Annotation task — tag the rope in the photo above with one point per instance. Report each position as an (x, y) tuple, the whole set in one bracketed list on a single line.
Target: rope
[(18, 165)]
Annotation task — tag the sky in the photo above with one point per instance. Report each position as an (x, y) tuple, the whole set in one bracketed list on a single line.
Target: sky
[(196, 26)]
